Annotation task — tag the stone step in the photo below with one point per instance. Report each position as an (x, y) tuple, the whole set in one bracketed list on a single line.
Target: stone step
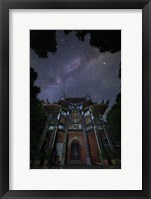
[(75, 162)]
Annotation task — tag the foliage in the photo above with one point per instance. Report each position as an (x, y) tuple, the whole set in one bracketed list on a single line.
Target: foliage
[(44, 41), (34, 90), (104, 40), (33, 153), (114, 120), (110, 154), (103, 154), (117, 152), (37, 114), (48, 153)]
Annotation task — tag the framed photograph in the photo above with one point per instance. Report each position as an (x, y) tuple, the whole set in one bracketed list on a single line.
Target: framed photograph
[(75, 99), (72, 131)]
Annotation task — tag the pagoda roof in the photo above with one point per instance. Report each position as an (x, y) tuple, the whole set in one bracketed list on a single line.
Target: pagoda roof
[(52, 107), (100, 107), (75, 100)]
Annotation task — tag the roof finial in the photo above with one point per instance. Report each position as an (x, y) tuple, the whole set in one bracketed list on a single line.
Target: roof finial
[(107, 102), (102, 101), (48, 101)]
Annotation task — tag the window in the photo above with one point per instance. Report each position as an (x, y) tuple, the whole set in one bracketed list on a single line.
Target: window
[(64, 113), (88, 120), (75, 126), (62, 120), (99, 127), (61, 127), (87, 113), (90, 127), (50, 128), (75, 116)]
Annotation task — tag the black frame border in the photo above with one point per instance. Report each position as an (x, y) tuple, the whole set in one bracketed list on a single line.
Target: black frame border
[(5, 5)]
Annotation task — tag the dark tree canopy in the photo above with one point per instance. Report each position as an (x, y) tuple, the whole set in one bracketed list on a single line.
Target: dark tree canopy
[(34, 90), (114, 125), (104, 40), (114, 116), (114, 119), (44, 41), (37, 114), (119, 72)]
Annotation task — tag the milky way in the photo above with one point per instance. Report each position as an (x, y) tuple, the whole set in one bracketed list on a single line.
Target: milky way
[(76, 69)]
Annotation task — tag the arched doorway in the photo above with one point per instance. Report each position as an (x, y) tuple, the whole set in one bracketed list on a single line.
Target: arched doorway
[(75, 151)]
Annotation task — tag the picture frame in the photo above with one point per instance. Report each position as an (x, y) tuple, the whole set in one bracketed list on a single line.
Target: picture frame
[(4, 100)]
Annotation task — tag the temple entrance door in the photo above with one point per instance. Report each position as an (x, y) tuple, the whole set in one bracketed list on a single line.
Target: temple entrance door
[(75, 151)]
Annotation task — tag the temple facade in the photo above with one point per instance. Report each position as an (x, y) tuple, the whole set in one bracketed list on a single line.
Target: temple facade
[(75, 133)]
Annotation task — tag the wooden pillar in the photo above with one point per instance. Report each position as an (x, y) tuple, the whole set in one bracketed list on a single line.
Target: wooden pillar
[(107, 137), (98, 138), (53, 137), (44, 133), (64, 150), (88, 156)]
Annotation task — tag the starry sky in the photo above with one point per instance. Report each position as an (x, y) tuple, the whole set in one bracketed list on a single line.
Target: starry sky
[(77, 69)]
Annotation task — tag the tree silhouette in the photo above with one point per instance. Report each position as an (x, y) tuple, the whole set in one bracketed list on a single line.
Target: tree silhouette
[(37, 114), (104, 40), (114, 122), (44, 41), (114, 119)]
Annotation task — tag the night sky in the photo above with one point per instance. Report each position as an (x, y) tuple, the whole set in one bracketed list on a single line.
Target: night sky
[(76, 69)]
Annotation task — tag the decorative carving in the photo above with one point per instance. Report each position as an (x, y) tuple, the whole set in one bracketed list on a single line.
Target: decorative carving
[(88, 158)]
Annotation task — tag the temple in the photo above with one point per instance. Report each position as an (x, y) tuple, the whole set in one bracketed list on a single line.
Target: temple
[(75, 134)]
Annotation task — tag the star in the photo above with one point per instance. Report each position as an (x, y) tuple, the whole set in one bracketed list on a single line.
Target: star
[(77, 68)]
